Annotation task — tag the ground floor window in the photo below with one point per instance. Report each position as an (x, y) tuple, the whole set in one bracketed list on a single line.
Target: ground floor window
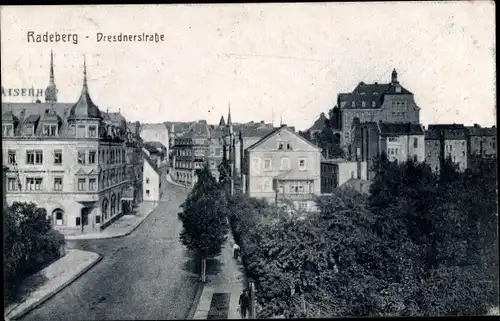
[(98, 219), (77, 221), (58, 216)]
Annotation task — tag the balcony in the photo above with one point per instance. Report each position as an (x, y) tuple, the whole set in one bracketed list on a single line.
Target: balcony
[(295, 196)]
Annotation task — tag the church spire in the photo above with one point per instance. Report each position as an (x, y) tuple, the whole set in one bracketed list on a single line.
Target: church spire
[(51, 90), (229, 115), (85, 73)]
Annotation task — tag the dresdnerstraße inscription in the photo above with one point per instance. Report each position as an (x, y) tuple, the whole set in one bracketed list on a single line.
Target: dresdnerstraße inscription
[(58, 37)]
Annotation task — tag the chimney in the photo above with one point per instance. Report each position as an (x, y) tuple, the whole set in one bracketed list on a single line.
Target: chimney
[(262, 122)]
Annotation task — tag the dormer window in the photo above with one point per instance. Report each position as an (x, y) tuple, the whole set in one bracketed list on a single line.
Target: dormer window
[(398, 89), (80, 131), (374, 104), (353, 104), (30, 130), (363, 104), (363, 93), (50, 130), (8, 130)]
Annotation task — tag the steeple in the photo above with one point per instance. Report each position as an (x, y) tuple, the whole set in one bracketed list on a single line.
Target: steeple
[(222, 122), (85, 107), (229, 115), (51, 90)]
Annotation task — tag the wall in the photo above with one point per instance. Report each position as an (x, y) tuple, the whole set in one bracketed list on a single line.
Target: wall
[(156, 133), (151, 183), (347, 170)]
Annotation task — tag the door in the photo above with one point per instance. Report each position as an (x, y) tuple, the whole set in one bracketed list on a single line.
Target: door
[(85, 219)]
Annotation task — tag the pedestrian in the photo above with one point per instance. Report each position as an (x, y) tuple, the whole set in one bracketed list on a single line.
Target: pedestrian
[(236, 251), (244, 303)]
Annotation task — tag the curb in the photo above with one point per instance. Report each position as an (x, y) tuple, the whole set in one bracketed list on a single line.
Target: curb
[(55, 291), (196, 301), (114, 236)]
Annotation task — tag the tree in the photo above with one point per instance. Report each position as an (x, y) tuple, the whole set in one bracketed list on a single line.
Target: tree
[(204, 218)]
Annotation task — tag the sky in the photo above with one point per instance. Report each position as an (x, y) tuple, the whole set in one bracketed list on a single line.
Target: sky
[(267, 61)]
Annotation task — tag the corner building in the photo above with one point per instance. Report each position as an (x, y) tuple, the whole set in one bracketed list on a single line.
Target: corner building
[(67, 158)]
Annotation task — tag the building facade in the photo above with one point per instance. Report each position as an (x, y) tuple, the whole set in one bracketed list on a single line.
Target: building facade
[(336, 172), (151, 180), (482, 141), (443, 141), (156, 133), (284, 168), (391, 103), (67, 158), (399, 141)]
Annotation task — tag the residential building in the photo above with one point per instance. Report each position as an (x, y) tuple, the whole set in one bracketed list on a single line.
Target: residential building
[(134, 159), (444, 141), (283, 167), (157, 133), (152, 179), (67, 158), (336, 172), (399, 141), (390, 103), (482, 141), (190, 153)]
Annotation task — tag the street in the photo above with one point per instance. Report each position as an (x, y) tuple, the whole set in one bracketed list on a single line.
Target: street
[(145, 275)]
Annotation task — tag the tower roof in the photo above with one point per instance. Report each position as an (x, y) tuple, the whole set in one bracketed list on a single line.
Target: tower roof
[(85, 107), (51, 90), (222, 122)]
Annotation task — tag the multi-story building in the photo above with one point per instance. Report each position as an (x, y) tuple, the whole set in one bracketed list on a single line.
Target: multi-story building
[(482, 141), (390, 103), (443, 141), (134, 160), (67, 158), (176, 130), (190, 153), (283, 167), (151, 179), (399, 141), (156, 133), (336, 172)]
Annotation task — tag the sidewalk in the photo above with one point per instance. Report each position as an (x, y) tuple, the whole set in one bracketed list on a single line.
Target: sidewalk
[(121, 227), (230, 280), (41, 286)]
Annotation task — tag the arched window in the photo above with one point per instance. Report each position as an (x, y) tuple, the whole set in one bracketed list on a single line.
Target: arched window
[(58, 217), (113, 204), (105, 208)]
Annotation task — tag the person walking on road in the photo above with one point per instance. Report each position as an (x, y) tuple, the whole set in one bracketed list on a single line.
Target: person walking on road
[(244, 303), (236, 251)]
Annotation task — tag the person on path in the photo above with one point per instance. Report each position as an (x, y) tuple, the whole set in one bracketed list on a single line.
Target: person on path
[(236, 251), (244, 303)]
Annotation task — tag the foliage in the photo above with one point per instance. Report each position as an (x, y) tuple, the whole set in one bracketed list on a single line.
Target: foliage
[(30, 243), (204, 216), (420, 245)]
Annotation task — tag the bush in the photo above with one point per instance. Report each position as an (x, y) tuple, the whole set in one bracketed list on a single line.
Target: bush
[(30, 244)]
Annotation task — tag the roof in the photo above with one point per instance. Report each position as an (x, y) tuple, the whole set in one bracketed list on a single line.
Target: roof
[(156, 126), (150, 162), (199, 129), (155, 144), (450, 131), (320, 123), (396, 129), (276, 131), (477, 130), (372, 95), (253, 129), (178, 127)]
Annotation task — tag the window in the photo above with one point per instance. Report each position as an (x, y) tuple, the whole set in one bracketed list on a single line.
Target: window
[(80, 131), (77, 223), (303, 206), (147, 180), (281, 189), (289, 146), (267, 164), (38, 157), (98, 219), (463, 153), (363, 104), (58, 157), (7, 130), (81, 184), (81, 157), (285, 164), (454, 158), (92, 131), (302, 164), (92, 157), (34, 184), (415, 142), (50, 130), (280, 145), (30, 130), (147, 192), (12, 157), (58, 184), (59, 217), (393, 139), (267, 185), (429, 154), (374, 104), (11, 184), (30, 157), (92, 184)]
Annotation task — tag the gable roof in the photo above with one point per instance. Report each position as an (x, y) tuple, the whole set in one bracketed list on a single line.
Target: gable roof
[(199, 129), (450, 131), (276, 131)]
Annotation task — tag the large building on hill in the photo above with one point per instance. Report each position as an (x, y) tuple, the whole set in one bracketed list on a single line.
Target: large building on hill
[(70, 159), (283, 167), (389, 102)]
